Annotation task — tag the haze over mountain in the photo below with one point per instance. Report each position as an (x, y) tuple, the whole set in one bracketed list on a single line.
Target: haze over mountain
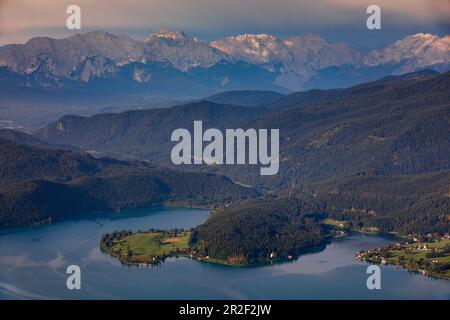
[(246, 98), (146, 132), (396, 125)]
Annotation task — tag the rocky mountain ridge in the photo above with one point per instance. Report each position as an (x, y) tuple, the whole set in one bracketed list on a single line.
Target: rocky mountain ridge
[(294, 62)]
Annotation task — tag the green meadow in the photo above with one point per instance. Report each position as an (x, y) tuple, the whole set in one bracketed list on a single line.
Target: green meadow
[(149, 247)]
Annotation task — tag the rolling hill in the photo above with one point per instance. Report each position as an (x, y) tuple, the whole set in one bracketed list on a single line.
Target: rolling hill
[(142, 134), (246, 98), (40, 185), (396, 125)]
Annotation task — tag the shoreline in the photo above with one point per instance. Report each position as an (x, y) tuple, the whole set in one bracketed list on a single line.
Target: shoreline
[(430, 258)]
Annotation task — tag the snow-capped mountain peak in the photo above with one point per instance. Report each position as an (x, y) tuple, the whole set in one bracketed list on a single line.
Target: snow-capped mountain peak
[(181, 50), (295, 62), (253, 48), (166, 34), (413, 52)]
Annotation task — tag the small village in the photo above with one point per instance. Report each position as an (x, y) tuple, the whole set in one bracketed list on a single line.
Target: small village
[(428, 254)]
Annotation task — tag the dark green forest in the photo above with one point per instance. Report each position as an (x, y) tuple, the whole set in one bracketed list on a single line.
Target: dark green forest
[(404, 204), (251, 231), (41, 185)]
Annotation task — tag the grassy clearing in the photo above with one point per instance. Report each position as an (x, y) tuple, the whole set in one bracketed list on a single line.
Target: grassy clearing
[(417, 254), (148, 247), (350, 226), (334, 223)]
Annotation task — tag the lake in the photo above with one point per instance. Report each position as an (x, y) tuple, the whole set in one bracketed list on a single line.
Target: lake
[(33, 261)]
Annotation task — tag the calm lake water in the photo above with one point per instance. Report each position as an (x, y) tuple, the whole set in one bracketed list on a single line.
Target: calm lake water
[(33, 263)]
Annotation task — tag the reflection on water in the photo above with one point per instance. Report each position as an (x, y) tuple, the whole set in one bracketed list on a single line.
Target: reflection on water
[(33, 262)]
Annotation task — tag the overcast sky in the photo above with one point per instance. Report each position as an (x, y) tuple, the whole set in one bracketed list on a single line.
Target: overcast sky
[(335, 20)]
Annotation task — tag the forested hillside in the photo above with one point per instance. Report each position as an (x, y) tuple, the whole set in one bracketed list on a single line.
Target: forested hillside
[(143, 134), (259, 231), (401, 203), (246, 98), (39, 185), (393, 126), (397, 125), (295, 219)]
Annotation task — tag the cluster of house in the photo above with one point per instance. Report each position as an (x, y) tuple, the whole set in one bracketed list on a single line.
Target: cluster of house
[(363, 255), (415, 242), (408, 245), (428, 237)]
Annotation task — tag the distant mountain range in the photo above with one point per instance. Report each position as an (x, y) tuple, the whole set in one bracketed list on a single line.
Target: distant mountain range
[(250, 61), (396, 125), (99, 72)]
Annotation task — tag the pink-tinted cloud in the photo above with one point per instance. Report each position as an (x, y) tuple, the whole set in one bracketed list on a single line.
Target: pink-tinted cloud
[(21, 18)]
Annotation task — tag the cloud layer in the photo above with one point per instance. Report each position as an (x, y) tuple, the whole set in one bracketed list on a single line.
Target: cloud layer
[(21, 19)]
